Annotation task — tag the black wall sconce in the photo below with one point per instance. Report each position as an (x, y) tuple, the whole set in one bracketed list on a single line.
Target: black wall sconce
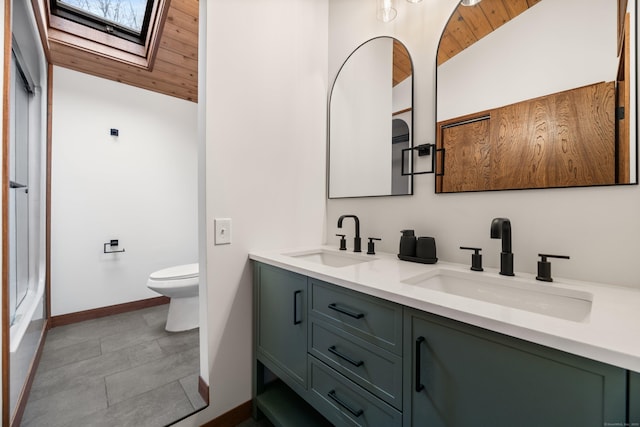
[(114, 132)]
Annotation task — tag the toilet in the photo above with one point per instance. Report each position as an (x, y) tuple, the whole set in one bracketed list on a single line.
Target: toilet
[(180, 283)]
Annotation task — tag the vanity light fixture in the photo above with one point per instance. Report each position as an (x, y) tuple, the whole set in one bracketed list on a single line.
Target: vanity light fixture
[(470, 2), (386, 12)]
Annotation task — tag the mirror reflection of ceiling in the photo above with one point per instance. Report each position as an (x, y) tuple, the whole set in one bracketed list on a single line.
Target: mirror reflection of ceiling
[(401, 63), (470, 24)]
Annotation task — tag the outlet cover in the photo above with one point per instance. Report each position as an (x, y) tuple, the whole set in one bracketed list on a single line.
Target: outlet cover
[(223, 231)]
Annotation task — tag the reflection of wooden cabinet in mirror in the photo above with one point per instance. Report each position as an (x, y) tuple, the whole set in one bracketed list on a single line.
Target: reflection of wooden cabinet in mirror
[(623, 99), (559, 140)]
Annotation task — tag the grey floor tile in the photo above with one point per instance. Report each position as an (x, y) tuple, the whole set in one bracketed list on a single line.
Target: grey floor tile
[(55, 358), (63, 336), (176, 342), (190, 386), (153, 374), (63, 407), (71, 375), (157, 316), (152, 409), (131, 337), (132, 382)]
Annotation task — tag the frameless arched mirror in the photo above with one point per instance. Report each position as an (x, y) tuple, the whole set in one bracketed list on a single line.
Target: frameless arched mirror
[(370, 117), (536, 94)]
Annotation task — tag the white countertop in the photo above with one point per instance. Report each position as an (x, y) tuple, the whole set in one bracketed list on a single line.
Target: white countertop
[(609, 334)]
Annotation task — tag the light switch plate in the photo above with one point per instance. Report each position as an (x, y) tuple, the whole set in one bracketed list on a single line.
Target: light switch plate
[(223, 231)]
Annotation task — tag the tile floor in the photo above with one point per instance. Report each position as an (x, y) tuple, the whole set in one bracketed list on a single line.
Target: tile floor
[(122, 370)]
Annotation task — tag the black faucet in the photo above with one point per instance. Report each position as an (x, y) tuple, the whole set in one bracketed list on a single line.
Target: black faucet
[(501, 229), (356, 240)]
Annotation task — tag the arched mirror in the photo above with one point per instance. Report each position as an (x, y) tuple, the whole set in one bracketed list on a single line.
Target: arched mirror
[(370, 117), (536, 94)]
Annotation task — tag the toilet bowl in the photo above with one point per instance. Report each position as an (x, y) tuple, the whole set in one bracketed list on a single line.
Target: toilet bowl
[(180, 283)]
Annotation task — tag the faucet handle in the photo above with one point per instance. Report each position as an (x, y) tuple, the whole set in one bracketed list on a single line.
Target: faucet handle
[(343, 242), (476, 258), (371, 250), (544, 267)]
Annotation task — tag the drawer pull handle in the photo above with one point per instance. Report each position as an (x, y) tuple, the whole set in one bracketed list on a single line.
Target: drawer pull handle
[(335, 398), (333, 350), (295, 308), (419, 386), (349, 313)]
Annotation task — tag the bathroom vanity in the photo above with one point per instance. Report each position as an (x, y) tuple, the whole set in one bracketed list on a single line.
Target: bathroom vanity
[(349, 339)]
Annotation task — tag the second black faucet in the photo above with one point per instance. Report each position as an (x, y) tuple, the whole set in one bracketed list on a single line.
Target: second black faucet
[(501, 229)]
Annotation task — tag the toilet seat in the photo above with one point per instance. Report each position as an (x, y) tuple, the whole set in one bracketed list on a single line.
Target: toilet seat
[(187, 271)]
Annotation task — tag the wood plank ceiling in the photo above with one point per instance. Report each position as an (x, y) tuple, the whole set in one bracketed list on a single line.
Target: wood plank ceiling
[(468, 24), (172, 71)]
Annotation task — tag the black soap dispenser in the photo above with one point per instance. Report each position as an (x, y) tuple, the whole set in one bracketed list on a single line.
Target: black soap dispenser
[(407, 244)]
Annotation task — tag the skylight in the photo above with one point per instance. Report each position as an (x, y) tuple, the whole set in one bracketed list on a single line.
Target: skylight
[(128, 19)]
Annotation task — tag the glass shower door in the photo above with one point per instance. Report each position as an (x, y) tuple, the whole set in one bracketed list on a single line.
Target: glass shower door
[(19, 190)]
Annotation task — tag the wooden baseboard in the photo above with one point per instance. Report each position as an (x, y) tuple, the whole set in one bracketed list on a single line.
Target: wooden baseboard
[(203, 390), (233, 417), (21, 404), (67, 319)]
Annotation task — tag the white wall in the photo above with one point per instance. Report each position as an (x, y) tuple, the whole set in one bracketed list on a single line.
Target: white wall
[(139, 187), (265, 135), (597, 227)]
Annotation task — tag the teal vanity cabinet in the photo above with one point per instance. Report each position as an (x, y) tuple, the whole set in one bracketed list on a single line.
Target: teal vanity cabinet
[(328, 355), (460, 375), (334, 352), (634, 399), (280, 320)]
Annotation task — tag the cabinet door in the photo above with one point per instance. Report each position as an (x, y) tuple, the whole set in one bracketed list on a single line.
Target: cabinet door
[(460, 375), (281, 322), (634, 399)]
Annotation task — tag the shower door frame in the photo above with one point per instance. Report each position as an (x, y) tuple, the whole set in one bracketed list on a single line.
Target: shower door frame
[(12, 416)]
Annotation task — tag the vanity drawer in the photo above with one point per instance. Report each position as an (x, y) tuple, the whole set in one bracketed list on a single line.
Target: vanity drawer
[(372, 319), (345, 403), (371, 367)]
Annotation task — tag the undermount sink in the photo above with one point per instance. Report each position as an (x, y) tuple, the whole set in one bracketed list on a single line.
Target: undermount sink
[(540, 298), (331, 259)]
